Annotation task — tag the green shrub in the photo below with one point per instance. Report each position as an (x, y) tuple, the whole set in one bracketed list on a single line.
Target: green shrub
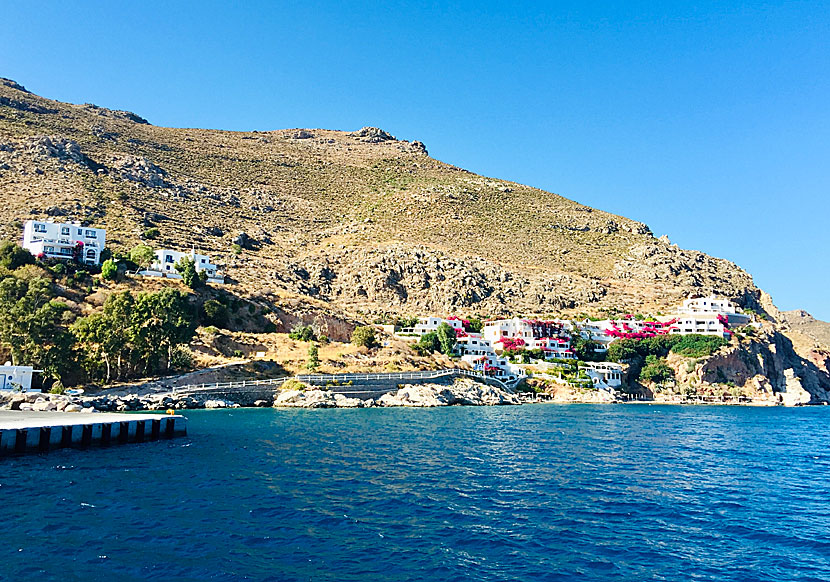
[(303, 333), (152, 233), (476, 325), (13, 256), (292, 384), (215, 313), (142, 256), (187, 269), (363, 335), (656, 370), (109, 270), (238, 354), (181, 358), (313, 359), (698, 346), (428, 344), (446, 338)]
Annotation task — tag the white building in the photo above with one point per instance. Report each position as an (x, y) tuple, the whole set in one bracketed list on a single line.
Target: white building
[(596, 332), (18, 378), (429, 324), (61, 240), (165, 265), (549, 336), (701, 323), (604, 374), (713, 306)]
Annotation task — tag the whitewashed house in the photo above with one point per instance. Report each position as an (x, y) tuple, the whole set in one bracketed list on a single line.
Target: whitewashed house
[(64, 240), (549, 336), (595, 332), (17, 378), (714, 306), (165, 265), (604, 374), (428, 324), (701, 323)]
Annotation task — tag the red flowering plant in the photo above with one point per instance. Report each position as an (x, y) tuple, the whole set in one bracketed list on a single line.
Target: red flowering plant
[(78, 252)]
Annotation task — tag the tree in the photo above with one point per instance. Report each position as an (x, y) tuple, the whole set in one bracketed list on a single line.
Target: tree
[(143, 256), (187, 269), (623, 350), (13, 256), (105, 336), (476, 325), (31, 325), (313, 359), (584, 350), (363, 335), (446, 338), (656, 370), (109, 270), (215, 313), (428, 344), (160, 322), (303, 333)]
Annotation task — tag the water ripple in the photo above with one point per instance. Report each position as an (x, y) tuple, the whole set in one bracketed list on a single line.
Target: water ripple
[(520, 493)]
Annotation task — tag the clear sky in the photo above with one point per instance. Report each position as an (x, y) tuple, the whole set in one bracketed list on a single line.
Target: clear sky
[(709, 121)]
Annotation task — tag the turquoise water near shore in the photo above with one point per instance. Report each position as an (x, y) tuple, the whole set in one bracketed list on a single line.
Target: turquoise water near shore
[(545, 492)]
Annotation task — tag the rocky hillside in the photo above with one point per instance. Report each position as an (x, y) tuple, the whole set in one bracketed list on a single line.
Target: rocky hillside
[(344, 226), (361, 220)]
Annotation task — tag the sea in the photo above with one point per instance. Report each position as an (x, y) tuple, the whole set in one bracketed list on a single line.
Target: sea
[(528, 493)]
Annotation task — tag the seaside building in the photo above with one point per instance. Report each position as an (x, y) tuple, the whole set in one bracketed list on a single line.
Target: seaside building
[(604, 374), (17, 378), (713, 306), (165, 265), (550, 336), (64, 240)]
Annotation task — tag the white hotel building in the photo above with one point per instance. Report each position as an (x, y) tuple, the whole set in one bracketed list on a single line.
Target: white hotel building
[(59, 240), (165, 265)]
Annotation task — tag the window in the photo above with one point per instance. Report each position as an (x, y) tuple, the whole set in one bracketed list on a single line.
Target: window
[(168, 258), (203, 260), (91, 234), (80, 232), (40, 227), (65, 230), (48, 249), (90, 254), (66, 251)]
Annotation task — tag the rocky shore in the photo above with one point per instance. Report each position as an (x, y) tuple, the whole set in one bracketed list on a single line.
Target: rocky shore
[(463, 392)]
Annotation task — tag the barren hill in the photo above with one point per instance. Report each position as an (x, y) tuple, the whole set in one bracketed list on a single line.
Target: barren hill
[(361, 221)]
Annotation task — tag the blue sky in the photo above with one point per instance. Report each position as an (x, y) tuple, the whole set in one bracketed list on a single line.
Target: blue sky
[(709, 121)]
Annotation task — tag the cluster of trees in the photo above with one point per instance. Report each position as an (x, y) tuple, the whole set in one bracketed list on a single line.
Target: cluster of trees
[(135, 334), (131, 335), (647, 357), (32, 323), (441, 340), (692, 346)]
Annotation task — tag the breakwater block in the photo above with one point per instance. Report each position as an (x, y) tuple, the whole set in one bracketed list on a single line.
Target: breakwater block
[(23, 432)]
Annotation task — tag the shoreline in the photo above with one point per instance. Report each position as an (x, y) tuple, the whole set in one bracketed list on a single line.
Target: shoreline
[(464, 393)]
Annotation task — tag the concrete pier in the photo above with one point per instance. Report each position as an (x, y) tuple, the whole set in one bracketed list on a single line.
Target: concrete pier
[(24, 432)]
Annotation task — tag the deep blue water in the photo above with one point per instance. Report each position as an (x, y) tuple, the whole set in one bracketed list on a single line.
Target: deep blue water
[(547, 492)]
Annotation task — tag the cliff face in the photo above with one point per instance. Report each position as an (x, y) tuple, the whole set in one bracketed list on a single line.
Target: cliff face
[(362, 220), (766, 367)]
